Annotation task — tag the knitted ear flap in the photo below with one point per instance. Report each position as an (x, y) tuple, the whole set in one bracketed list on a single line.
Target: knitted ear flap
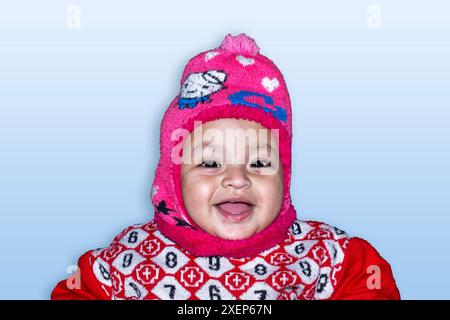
[(231, 81)]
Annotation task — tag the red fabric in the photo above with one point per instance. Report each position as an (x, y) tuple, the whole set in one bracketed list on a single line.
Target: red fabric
[(340, 268), (353, 283), (90, 288)]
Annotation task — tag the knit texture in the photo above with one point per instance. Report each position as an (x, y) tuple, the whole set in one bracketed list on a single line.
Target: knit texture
[(314, 261)]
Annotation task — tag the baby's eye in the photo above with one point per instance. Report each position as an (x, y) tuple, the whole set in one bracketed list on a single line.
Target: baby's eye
[(260, 164), (205, 87), (210, 164)]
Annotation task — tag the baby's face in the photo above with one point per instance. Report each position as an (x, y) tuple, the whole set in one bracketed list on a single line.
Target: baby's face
[(232, 194)]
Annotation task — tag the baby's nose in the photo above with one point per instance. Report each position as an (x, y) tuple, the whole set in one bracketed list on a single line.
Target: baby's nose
[(236, 176)]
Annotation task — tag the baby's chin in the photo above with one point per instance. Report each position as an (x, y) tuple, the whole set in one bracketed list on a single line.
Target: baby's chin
[(235, 232)]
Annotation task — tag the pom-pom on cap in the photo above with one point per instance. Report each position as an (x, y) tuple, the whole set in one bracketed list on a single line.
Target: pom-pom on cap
[(240, 44)]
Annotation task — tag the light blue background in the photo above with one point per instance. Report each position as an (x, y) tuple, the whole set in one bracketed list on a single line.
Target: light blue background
[(80, 113)]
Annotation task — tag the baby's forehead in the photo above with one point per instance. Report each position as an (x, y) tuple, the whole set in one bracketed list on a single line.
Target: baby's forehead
[(227, 144), (232, 123), (216, 138), (226, 132)]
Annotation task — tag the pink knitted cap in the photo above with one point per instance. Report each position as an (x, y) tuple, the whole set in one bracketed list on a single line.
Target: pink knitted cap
[(232, 81)]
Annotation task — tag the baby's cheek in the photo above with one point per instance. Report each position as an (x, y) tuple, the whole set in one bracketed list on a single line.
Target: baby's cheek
[(197, 193), (271, 194), (187, 191)]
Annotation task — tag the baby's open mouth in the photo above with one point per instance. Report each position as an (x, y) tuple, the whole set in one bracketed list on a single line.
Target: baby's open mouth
[(235, 211)]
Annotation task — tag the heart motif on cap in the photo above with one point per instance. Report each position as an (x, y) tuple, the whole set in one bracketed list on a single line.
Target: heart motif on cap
[(270, 84), (210, 55), (245, 61)]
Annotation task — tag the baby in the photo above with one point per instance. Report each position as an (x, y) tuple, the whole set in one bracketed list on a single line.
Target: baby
[(232, 197), (225, 226)]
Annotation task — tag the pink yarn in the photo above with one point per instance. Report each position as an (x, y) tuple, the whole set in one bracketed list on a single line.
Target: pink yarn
[(240, 44)]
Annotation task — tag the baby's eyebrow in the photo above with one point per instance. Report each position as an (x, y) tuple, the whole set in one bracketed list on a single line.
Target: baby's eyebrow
[(205, 144), (215, 146)]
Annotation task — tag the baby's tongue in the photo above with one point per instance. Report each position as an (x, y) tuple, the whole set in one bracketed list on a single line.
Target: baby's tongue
[(234, 208)]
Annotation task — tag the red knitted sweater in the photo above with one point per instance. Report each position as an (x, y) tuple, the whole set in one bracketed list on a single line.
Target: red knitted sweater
[(315, 261)]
